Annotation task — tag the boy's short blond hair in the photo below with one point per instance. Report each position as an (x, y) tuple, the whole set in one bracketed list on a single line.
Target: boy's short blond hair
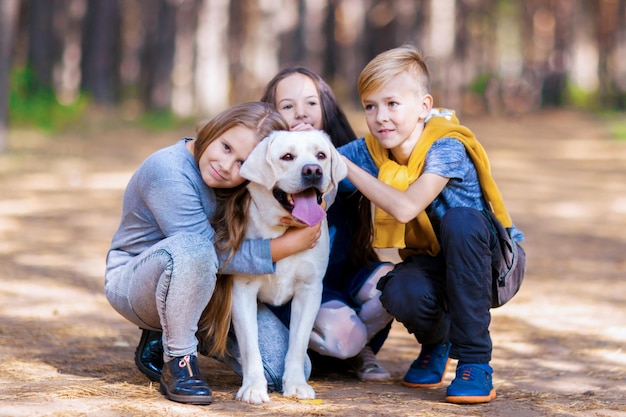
[(391, 63)]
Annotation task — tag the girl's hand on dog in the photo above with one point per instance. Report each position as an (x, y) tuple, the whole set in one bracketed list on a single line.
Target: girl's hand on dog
[(296, 239), (291, 222)]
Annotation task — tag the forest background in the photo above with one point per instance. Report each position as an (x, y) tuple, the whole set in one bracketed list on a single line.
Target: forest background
[(160, 62), (90, 88)]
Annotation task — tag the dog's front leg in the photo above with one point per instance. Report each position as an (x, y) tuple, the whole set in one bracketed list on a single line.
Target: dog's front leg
[(254, 386), (304, 308)]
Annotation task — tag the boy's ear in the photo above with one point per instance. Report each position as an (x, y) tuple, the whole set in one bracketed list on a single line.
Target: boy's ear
[(426, 106)]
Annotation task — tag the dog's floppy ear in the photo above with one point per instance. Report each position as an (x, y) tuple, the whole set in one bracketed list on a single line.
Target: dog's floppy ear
[(257, 167), (339, 169)]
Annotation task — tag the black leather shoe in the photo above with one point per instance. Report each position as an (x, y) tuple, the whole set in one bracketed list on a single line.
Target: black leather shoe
[(181, 381), (149, 354)]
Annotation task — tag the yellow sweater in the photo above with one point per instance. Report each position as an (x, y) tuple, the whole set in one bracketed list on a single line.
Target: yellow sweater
[(418, 235)]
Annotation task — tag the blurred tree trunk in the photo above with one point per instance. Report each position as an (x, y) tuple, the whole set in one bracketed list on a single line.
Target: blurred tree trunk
[(182, 76), (619, 57), (345, 55), (101, 51), (132, 40), (379, 28), (443, 48), (199, 56), (157, 54), (303, 38), (292, 36), (611, 37), (555, 23), (8, 19), (364, 29), (211, 71), (522, 47), (43, 43), (255, 47), (67, 69), (313, 21), (583, 66), (240, 15)]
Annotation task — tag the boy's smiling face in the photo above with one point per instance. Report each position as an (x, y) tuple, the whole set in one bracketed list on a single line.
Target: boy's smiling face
[(395, 114)]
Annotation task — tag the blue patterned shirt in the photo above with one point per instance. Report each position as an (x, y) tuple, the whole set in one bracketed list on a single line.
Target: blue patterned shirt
[(448, 158)]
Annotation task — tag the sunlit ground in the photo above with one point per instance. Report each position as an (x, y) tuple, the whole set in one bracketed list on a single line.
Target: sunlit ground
[(559, 343)]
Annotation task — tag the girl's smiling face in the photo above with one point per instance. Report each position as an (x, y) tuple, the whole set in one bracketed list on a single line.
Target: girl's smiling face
[(220, 162), (298, 101)]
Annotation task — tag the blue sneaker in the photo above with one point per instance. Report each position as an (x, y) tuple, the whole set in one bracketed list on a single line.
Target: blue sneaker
[(429, 369), (472, 384)]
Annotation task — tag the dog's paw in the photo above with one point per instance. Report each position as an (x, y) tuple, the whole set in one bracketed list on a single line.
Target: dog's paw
[(301, 391), (253, 394)]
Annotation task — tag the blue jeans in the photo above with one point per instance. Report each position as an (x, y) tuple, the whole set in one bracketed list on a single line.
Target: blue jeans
[(448, 297), (273, 344)]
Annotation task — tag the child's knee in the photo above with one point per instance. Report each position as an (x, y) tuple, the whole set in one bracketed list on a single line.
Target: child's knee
[(193, 253), (460, 222), (374, 316), (369, 291), (405, 298), (338, 331)]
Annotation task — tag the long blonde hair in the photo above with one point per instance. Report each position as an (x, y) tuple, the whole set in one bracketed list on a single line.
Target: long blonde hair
[(230, 216)]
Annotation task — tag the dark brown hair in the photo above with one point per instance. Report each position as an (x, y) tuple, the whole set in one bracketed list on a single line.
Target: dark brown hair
[(334, 119), (336, 125)]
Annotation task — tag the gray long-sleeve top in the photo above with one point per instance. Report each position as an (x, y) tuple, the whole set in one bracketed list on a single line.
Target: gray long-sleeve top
[(166, 196)]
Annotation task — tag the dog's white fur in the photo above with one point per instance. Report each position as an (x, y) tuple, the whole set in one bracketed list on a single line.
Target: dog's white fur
[(278, 161)]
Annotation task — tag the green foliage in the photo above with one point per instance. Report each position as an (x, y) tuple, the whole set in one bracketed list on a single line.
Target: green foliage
[(479, 85), (160, 120), (33, 105), (616, 122), (581, 98)]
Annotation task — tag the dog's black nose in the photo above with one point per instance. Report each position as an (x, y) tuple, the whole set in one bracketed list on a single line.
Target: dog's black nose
[(312, 173)]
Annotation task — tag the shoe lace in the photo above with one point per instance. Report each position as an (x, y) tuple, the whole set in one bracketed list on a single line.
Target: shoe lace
[(368, 360), (185, 361), (425, 357), (468, 374), (422, 360)]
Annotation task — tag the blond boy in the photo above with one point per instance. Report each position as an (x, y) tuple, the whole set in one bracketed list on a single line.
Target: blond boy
[(437, 202)]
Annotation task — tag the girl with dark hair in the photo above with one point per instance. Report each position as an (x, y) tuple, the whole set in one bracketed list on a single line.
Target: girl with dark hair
[(351, 323)]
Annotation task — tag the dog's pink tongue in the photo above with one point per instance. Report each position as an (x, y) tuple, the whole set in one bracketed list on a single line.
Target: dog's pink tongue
[(306, 209)]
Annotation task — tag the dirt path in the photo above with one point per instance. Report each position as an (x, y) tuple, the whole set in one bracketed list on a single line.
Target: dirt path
[(559, 345)]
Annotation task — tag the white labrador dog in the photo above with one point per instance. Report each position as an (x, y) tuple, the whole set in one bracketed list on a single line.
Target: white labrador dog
[(290, 173)]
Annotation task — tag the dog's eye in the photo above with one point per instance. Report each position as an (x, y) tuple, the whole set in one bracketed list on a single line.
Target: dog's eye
[(287, 157), (321, 155)]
